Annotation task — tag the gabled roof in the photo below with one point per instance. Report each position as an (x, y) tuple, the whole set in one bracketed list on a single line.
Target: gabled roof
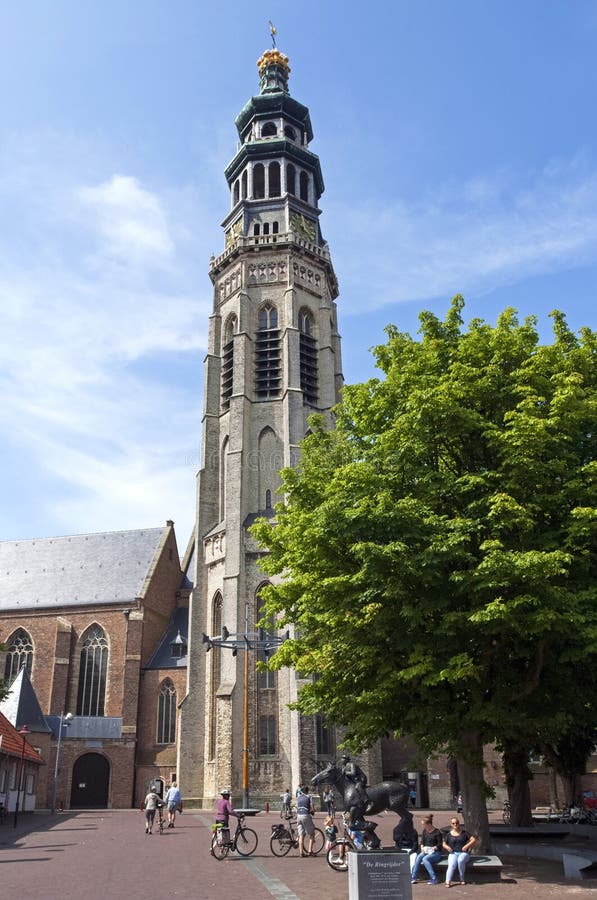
[(108, 567), (21, 706), (11, 743), (176, 633)]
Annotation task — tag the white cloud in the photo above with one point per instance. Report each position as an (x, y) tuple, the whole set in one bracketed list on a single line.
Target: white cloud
[(468, 238), (130, 220)]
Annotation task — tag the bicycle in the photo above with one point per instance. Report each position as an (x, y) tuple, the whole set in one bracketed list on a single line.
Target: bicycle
[(161, 819), (352, 839), (244, 840), (507, 812), (284, 837)]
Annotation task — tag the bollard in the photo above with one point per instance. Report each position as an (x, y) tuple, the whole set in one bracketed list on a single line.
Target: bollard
[(61, 805), (267, 806)]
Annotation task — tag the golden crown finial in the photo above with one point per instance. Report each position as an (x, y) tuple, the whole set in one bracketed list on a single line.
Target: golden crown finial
[(271, 58)]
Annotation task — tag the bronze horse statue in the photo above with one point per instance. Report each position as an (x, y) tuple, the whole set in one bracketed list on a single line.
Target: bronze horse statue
[(386, 795)]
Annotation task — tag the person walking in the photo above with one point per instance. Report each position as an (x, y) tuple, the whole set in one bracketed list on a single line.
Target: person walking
[(328, 799), (304, 820), (172, 800), (431, 850), (457, 843), (150, 805)]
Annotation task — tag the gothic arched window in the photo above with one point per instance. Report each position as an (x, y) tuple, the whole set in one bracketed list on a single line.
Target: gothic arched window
[(268, 366), (166, 724), (228, 360), (267, 679), (93, 670), (308, 357), (215, 673), (19, 655)]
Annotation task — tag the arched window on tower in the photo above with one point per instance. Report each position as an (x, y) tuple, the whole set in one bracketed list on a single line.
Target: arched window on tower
[(304, 186), (243, 185), (215, 673), (19, 655), (93, 670), (268, 366), (308, 357), (166, 720), (236, 193), (228, 361), (258, 181), (291, 180), (269, 130), (290, 132), (267, 679), (274, 179)]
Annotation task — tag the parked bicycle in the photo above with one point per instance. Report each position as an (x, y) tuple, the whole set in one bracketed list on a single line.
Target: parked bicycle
[(507, 812), (353, 839), (285, 836), (244, 840)]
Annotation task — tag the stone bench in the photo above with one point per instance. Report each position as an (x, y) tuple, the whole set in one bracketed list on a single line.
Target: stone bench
[(580, 863), (483, 864), (529, 832)]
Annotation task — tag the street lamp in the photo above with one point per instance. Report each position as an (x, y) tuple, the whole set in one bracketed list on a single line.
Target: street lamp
[(245, 642), (64, 723), (24, 731)]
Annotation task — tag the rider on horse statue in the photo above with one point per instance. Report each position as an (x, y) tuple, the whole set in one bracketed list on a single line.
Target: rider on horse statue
[(353, 773)]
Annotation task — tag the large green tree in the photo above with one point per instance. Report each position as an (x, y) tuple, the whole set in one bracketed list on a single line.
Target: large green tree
[(438, 546)]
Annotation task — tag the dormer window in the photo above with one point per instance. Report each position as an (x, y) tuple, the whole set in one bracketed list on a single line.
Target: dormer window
[(178, 647)]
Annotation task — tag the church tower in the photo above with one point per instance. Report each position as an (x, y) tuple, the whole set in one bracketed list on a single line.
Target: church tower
[(273, 359)]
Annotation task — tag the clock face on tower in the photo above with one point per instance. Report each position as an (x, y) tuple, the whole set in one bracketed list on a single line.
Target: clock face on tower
[(302, 226)]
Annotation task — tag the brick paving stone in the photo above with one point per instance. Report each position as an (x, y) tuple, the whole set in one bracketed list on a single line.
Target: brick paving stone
[(106, 854)]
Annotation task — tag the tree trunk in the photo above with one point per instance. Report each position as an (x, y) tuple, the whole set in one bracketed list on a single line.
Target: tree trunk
[(518, 775), (554, 801), (569, 785), (474, 791)]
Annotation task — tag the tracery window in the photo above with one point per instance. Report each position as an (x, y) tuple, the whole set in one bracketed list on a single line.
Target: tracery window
[(267, 735), (323, 737), (267, 678), (308, 357), (93, 670), (166, 724), (268, 366), (19, 655)]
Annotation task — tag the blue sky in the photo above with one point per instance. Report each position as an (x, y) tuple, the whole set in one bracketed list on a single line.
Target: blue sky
[(457, 142)]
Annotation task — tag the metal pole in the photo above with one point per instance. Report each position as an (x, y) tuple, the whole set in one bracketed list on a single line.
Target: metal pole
[(246, 733), (56, 766)]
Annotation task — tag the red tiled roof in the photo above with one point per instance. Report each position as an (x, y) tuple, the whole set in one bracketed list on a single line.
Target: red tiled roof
[(12, 743)]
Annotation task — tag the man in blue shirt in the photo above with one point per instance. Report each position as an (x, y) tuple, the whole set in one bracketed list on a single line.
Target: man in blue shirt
[(172, 801)]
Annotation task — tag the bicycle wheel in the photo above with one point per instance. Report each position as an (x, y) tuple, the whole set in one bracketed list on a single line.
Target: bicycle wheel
[(218, 849), (246, 841), (337, 856), (318, 841), (280, 845)]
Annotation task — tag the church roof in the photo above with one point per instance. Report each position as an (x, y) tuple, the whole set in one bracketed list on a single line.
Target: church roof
[(21, 706), (109, 567), (176, 633), (11, 743)]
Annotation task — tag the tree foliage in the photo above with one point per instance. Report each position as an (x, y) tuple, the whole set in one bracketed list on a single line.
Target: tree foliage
[(439, 546)]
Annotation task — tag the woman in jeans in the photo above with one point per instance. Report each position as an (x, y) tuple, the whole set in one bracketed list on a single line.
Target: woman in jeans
[(457, 843), (431, 850)]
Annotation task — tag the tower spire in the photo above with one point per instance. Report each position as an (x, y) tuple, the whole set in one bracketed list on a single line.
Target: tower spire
[(273, 71)]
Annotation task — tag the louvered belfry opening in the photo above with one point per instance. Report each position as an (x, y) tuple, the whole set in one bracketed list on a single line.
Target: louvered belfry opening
[(268, 365)]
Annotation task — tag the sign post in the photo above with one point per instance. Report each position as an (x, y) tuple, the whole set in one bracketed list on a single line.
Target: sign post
[(379, 875)]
